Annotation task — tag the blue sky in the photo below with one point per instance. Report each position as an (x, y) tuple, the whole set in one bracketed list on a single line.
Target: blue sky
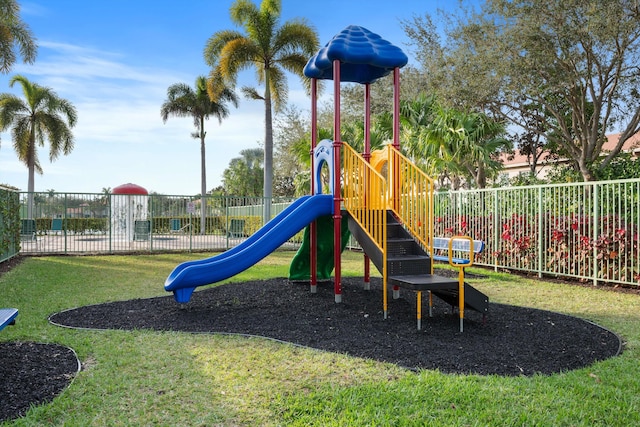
[(114, 60)]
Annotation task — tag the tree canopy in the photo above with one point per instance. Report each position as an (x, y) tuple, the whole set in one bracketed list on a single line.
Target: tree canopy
[(272, 50), (575, 61), (244, 175), (16, 38)]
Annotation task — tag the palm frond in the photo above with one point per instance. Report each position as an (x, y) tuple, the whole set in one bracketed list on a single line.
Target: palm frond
[(295, 36), (237, 55), (251, 93), (216, 43), (278, 88)]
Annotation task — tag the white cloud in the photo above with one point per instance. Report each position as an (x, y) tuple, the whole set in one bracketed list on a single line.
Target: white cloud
[(120, 136)]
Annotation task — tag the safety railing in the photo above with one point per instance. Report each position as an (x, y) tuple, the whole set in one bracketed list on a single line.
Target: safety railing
[(365, 196), (412, 195)]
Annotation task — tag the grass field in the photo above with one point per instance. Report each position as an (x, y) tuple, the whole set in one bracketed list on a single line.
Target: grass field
[(169, 379)]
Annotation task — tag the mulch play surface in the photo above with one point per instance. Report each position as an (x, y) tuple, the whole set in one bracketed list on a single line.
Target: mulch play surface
[(513, 341), (32, 374)]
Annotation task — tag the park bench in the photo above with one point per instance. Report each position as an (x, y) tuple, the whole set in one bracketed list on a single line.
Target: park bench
[(7, 317), (459, 252)]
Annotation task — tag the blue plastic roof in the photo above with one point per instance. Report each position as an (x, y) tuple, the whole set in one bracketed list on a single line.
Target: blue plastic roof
[(364, 57)]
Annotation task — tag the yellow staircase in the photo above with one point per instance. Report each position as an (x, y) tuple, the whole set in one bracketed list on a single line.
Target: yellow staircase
[(390, 205)]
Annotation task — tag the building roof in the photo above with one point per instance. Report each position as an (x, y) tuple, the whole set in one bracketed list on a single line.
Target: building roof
[(631, 145)]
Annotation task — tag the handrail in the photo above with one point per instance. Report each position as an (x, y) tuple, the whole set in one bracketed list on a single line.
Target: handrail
[(365, 198), (411, 192)]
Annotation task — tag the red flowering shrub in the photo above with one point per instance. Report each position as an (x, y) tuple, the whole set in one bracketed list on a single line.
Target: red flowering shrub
[(517, 242), (568, 245)]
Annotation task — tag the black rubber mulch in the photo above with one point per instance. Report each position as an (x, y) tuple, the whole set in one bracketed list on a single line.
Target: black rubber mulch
[(32, 374), (513, 340)]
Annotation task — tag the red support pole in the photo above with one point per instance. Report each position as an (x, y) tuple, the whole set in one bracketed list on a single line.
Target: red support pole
[(313, 238), (337, 213), (395, 184), (367, 158), (367, 122), (396, 108)]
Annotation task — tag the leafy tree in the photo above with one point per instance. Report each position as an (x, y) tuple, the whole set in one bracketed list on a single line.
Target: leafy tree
[(454, 144), (459, 79), (291, 157), (623, 166), (575, 58), (218, 191), (15, 37), (271, 50), (533, 144), (184, 101), (244, 175), (521, 180), (41, 116), (412, 84)]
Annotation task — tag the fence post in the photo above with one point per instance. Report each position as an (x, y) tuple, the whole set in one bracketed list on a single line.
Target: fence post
[(540, 229), (150, 217), (496, 230), (596, 221), (226, 221)]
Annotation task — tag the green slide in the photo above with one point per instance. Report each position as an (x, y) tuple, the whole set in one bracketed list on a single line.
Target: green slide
[(300, 268)]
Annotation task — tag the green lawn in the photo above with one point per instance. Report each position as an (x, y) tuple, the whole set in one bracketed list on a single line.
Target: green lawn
[(171, 379)]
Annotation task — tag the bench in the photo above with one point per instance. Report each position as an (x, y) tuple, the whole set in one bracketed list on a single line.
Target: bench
[(458, 250), (7, 317), (460, 253), (236, 228)]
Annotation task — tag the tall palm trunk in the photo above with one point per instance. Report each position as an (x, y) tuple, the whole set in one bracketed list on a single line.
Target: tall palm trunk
[(31, 162), (203, 181), (268, 151)]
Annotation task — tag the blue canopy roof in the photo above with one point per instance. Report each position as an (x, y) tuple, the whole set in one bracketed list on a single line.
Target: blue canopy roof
[(364, 57)]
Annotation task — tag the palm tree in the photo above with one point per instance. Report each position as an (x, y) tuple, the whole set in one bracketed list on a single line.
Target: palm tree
[(272, 50), (41, 116), (15, 37), (183, 101), (455, 144)]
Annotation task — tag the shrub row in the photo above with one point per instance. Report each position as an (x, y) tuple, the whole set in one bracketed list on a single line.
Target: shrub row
[(160, 225), (568, 244)]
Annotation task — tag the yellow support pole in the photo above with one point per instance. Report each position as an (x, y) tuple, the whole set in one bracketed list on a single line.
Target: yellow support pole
[(461, 296), (419, 309), (461, 273)]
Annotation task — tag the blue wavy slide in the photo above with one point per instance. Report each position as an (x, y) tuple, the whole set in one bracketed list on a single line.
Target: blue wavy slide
[(187, 276)]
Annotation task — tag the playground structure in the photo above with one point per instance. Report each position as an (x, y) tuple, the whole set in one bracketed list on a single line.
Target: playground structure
[(390, 216)]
